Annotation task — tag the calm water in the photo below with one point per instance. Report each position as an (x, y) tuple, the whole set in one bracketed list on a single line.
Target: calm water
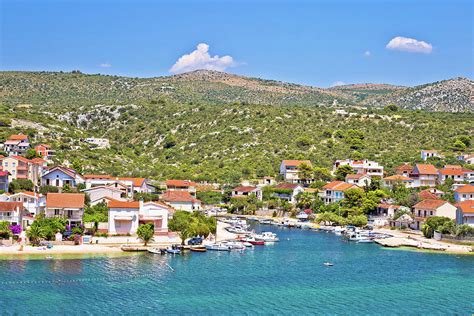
[(286, 278)]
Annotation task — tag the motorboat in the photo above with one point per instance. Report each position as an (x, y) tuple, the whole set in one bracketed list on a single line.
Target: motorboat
[(238, 230), (198, 249), (174, 249), (365, 240), (251, 240), (235, 245), (218, 247), (328, 264), (156, 251), (266, 237)]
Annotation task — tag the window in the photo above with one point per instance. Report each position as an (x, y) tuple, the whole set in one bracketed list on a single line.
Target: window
[(70, 213), (6, 164), (13, 164), (56, 212)]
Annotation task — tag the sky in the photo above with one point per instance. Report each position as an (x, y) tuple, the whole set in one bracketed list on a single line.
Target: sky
[(319, 43)]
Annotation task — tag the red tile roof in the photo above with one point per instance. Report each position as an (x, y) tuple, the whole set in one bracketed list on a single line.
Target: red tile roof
[(356, 176), (244, 189), (465, 189), (452, 172), (180, 183), (97, 176), (38, 161), (466, 206), (65, 200), (398, 177), (290, 186), (123, 204), (137, 182), (10, 206), (296, 163), (430, 204), (404, 167), (426, 169), (427, 195), (18, 137), (338, 186), (178, 196)]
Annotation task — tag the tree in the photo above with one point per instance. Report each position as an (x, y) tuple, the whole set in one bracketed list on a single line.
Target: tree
[(145, 232), (35, 233), (210, 197), (435, 223), (391, 107), (303, 142), (305, 172), (181, 223), (322, 174), (343, 171), (5, 231), (97, 213), (459, 146), (31, 154), (18, 185), (305, 200)]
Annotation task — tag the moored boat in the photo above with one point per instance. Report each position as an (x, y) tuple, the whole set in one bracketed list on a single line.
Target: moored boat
[(156, 251), (267, 237), (198, 249), (218, 247)]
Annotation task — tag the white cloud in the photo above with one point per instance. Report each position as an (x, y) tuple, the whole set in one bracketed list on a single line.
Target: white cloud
[(338, 83), (367, 53), (411, 45), (200, 59), (105, 65)]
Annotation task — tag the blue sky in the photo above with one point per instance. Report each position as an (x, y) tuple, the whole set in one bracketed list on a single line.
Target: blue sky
[(311, 42)]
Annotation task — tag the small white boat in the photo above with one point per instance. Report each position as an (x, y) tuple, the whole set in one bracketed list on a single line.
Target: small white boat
[(235, 245), (328, 264), (218, 247), (156, 251), (247, 244), (364, 240), (267, 237)]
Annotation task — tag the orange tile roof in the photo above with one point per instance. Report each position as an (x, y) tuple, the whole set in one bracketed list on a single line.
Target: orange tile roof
[(244, 189), (137, 182), (427, 195), (178, 196), (38, 161), (296, 163), (426, 169), (465, 189), (10, 206), (65, 200), (18, 137), (404, 167), (452, 167), (338, 186), (466, 206), (290, 186), (20, 158), (123, 204), (180, 183), (34, 194), (97, 176), (452, 172), (398, 177), (430, 204)]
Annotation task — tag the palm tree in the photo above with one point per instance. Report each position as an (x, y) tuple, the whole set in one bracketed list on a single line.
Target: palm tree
[(35, 233)]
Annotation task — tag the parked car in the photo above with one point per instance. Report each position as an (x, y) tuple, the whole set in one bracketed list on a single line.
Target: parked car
[(195, 241)]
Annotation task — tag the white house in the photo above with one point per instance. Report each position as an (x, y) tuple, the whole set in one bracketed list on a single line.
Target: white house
[(247, 191), (465, 213), (288, 191), (33, 202), (125, 217), (424, 175), (12, 212), (289, 170), (360, 179), (390, 181), (425, 154), (67, 205), (334, 191), (181, 185), (181, 200), (428, 208), (464, 193), (16, 144), (452, 172), (104, 193), (98, 142), (371, 168)]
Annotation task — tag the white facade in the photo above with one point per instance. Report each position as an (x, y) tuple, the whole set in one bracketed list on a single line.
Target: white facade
[(371, 168), (34, 203), (425, 154), (99, 142), (98, 194)]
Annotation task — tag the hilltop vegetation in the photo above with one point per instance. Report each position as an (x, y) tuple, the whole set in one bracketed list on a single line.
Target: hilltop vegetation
[(153, 135)]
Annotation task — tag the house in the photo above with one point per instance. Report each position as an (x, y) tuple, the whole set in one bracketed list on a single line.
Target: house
[(390, 181), (469, 159), (428, 208), (16, 145), (12, 212), (371, 168), (464, 193), (4, 181), (404, 221), (288, 191), (426, 154), (268, 181), (334, 191), (451, 172), (404, 170), (137, 185), (247, 191), (104, 193), (34, 203), (94, 180), (45, 151), (388, 210), (19, 167), (125, 217), (67, 205), (424, 175), (427, 195), (181, 185), (360, 179), (465, 213), (436, 192), (181, 200), (289, 170), (60, 176), (99, 143)]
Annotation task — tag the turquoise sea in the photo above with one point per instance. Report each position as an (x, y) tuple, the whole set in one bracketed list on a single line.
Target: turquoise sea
[(285, 278)]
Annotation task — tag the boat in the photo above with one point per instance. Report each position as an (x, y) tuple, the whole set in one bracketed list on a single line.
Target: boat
[(365, 240), (267, 237), (247, 244), (235, 245), (198, 249), (174, 249), (251, 240), (156, 251), (218, 247), (328, 264)]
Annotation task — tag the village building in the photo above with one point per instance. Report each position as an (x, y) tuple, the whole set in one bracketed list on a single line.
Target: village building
[(427, 195), (66, 205), (181, 185), (428, 208), (19, 167), (95, 180), (12, 212), (60, 176), (34, 203), (371, 168), (16, 145), (334, 191), (125, 217), (424, 175), (427, 154), (404, 170), (289, 170), (99, 143), (45, 151), (390, 181), (452, 172), (465, 213), (360, 179), (288, 191), (181, 200), (464, 193), (104, 193), (4, 181), (137, 185), (244, 191)]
